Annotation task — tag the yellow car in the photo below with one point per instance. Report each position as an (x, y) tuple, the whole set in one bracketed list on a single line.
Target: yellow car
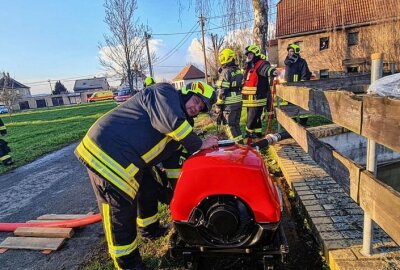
[(101, 95)]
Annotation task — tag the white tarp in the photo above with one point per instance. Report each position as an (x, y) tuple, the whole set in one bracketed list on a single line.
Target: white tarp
[(386, 86)]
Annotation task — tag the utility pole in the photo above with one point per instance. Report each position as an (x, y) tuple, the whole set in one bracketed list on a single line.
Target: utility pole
[(146, 37), (202, 19), (51, 88)]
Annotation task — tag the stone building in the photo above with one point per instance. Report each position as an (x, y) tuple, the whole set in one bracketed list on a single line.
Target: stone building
[(337, 37)]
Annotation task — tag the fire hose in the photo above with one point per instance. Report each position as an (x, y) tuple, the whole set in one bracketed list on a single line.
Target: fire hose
[(73, 223), (271, 139)]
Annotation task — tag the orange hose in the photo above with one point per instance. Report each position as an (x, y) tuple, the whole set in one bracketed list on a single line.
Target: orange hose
[(73, 223)]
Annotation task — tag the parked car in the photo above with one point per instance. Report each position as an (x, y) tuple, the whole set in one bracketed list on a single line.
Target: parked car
[(3, 109), (123, 95), (101, 95)]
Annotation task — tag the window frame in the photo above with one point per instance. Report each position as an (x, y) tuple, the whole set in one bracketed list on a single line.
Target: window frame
[(351, 42)]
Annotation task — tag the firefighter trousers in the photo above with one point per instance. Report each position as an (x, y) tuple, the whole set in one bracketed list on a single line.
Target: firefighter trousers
[(119, 214), (232, 115), (254, 123)]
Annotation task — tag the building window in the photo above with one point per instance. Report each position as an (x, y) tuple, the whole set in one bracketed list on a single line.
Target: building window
[(323, 43), (324, 73), (352, 69), (352, 39)]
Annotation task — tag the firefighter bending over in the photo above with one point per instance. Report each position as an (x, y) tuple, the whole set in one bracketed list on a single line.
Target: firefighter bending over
[(229, 94), (124, 144), (256, 89)]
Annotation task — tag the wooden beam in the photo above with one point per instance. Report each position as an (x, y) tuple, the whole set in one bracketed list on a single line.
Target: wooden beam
[(382, 203), (32, 243), (381, 121), (294, 94), (341, 107), (44, 232), (345, 171)]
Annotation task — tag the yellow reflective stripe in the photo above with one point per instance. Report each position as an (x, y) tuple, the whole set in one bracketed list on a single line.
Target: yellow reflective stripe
[(228, 131), (181, 132), (295, 77), (132, 170), (103, 157), (144, 222), (225, 84), (156, 150), (258, 130), (105, 172), (254, 103), (2, 127), (5, 157), (249, 90), (234, 84), (249, 130), (238, 138), (172, 173), (233, 99), (115, 251)]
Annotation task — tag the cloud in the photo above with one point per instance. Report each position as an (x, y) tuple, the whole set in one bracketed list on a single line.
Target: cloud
[(195, 53)]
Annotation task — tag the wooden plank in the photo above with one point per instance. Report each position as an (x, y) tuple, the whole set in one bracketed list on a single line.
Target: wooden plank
[(338, 106), (342, 107), (294, 94), (345, 171), (60, 217), (381, 121), (37, 243), (382, 203), (44, 232)]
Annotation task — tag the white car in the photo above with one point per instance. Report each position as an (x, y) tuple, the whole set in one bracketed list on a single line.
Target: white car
[(3, 109)]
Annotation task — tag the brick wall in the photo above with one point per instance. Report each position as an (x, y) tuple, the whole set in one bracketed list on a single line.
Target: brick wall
[(339, 55)]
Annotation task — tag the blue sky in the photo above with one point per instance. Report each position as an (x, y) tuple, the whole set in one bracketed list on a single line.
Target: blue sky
[(58, 40)]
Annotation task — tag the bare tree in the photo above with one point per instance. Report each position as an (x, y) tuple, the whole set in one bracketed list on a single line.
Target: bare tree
[(237, 10), (124, 50), (212, 52), (8, 95), (237, 41)]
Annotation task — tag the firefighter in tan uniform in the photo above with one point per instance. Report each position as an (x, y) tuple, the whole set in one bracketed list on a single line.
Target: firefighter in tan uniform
[(142, 132)]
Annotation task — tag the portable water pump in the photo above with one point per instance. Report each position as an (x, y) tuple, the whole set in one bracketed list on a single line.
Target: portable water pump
[(226, 203)]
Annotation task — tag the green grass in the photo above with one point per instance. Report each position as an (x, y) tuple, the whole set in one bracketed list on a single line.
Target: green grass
[(37, 132)]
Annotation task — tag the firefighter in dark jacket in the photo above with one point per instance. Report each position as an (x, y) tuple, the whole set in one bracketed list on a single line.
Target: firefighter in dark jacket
[(256, 89), (296, 69), (149, 81), (4, 149), (128, 141), (229, 94)]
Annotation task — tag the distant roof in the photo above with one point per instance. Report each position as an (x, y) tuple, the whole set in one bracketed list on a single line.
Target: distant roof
[(302, 16), (12, 84), (189, 72), (93, 83)]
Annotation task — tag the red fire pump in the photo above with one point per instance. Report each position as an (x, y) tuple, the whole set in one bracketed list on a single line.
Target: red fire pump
[(225, 203)]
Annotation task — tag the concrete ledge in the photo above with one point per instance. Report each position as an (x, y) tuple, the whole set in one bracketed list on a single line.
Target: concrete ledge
[(334, 218)]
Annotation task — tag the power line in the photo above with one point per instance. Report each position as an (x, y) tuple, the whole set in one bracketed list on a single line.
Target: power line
[(177, 46)]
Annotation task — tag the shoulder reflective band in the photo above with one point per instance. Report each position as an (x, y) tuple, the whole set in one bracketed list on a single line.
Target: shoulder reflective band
[(181, 132)]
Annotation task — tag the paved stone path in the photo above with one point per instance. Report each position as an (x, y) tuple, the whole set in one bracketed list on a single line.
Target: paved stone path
[(334, 218)]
